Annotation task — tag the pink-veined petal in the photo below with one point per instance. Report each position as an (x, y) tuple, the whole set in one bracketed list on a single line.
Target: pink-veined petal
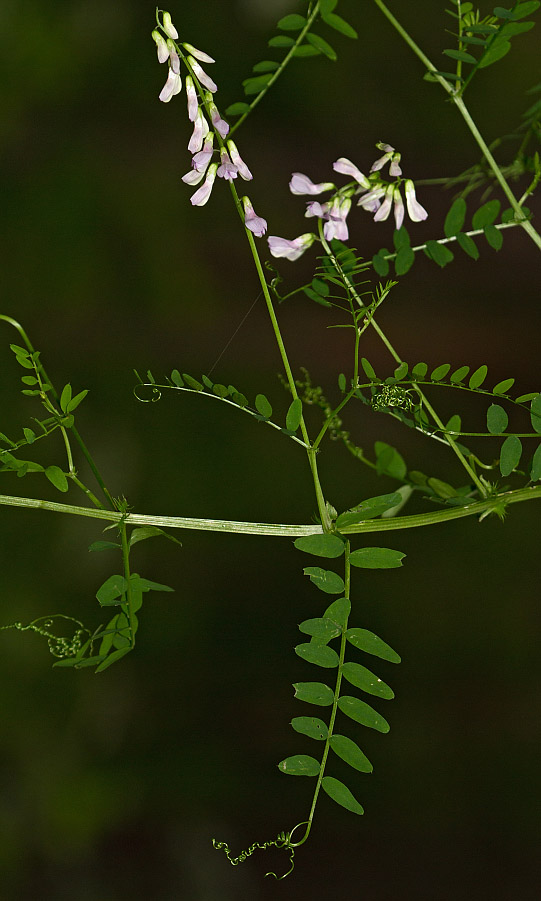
[(346, 167), (203, 193), (168, 26), (202, 76), (301, 184), (290, 250), (252, 221), (242, 168), (199, 54)]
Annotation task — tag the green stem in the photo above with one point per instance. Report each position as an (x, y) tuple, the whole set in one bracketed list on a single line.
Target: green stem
[(126, 559), (280, 530), (322, 508)]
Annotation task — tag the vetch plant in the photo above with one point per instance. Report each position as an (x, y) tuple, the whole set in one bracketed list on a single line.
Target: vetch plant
[(346, 692)]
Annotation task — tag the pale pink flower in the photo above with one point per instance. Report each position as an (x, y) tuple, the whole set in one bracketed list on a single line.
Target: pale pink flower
[(371, 201), (201, 159), (174, 61), (416, 212), (172, 86), (252, 221), (194, 176), (379, 164), (290, 250), (242, 168), (394, 169), (193, 102), (315, 208), (202, 76), (346, 167), (161, 46), (336, 226), (199, 54), (227, 169), (398, 207), (383, 212), (168, 26), (203, 193), (220, 124), (301, 184), (200, 131)]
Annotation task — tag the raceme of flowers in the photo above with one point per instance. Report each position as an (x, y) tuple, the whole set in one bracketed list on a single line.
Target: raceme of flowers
[(375, 195), (206, 118)]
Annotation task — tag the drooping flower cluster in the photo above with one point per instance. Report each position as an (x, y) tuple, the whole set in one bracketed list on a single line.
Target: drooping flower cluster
[(206, 118), (375, 195)]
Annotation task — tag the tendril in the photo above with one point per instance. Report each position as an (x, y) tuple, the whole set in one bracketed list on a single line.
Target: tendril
[(154, 396), (59, 645), (282, 840)]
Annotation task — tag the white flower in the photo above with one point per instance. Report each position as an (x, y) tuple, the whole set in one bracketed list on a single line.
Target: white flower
[(416, 212), (203, 193), (191, 95), (291, 250), (346, 167), (394, 169), (168, 26), (301, 184), (315, 208), (174, 61), (161, 46), (202, 76), (371, 200), (242, 168), (255, 223), (172, 86), (199, 54), (200, 131), (194, 176)]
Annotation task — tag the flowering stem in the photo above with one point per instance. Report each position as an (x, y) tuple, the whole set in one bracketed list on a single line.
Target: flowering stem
[(459, 103), (311, 451)]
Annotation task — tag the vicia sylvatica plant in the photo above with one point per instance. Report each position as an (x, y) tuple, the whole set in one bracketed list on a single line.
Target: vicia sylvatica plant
[(373, 191)]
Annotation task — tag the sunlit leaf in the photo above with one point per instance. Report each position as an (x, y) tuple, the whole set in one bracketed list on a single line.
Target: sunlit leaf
[(325, 579), (362, 678), (292, 22), (281, 40), (376, 558), (510, 455), (401, 371), (191, 382), (341, 794), (368, 369), (372, 644), (310, 726), (459, 374), (263, 406), (318, 654), (75, 401), (503, 387), (321, 545), (349, 751), (440, 372), (314, 693), (65, 398), (321, 45), (478, 377), (338, 23)]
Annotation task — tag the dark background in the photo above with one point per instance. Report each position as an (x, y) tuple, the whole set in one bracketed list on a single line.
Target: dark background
[(112, 786)]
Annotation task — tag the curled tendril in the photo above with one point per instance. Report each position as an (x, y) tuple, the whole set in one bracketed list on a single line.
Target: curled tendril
[(59, 645), (392, 396), (282, 840), (154, 396)]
